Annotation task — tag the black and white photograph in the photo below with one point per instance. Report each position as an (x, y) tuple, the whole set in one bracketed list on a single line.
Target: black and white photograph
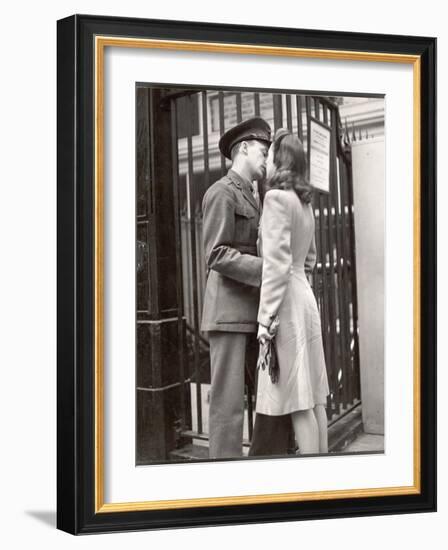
[(259, 273)]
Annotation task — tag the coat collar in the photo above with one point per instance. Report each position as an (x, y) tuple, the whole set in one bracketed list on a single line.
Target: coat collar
[(245, 186)]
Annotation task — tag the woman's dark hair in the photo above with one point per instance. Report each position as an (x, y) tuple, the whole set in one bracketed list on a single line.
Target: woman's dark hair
[(290, 165)]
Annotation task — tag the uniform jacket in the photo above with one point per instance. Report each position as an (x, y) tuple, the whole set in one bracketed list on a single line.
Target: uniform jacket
[(230, 227)]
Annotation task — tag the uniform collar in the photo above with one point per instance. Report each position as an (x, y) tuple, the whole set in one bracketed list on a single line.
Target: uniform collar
[(238, 179), (245, 186)]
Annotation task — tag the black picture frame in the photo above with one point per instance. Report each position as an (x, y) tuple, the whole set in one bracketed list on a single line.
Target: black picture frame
[(76, 488)]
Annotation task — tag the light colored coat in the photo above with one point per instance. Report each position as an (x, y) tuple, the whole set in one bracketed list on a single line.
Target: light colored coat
[(288, 250)]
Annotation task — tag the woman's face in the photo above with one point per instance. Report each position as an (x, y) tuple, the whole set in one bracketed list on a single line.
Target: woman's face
[(270, 167)]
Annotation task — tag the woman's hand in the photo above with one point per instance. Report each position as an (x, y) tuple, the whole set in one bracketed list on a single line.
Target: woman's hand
[(263, 334)]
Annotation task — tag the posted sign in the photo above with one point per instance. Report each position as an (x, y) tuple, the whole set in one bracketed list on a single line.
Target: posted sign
[(319, 147)]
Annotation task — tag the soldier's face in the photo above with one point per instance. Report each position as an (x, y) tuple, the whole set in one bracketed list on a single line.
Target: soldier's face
[(270, 167), (257, 152)]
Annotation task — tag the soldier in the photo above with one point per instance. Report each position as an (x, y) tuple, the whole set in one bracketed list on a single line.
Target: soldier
[(231, 213)]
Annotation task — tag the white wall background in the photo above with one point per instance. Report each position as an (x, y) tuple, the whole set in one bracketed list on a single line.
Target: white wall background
[(369, 195), (28, 273)]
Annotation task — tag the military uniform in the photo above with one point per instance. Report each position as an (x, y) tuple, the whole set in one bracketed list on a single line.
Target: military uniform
[(230, 230), (231, 218)]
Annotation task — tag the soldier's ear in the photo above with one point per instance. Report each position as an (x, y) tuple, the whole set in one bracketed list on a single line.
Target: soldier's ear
[(243, 147)]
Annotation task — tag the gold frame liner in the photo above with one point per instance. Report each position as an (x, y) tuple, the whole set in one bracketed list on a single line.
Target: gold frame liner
[(101, 42)]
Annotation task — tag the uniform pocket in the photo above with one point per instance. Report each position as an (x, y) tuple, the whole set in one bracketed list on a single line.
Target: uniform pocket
[(238, 303), (245, 224), (241, 210)]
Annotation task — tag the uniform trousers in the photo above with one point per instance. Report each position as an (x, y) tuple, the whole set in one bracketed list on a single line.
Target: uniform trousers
[(229, 353)]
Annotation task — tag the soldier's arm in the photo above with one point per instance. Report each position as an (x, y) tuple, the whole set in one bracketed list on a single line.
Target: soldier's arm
[(219, 236)]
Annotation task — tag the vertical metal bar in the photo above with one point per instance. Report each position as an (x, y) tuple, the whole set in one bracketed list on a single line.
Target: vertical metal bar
[(193, 197), (250, 411), (325, 314), (347, 270), (308, 108), (205, 186), (288, 113), (205, 140), (179, 282), (345, 273), (351, 272), (333, 358), (337, 342), (316, 108), (317, 279), (221, 128), (257, 104), (278, 111), (344, 314), (201, 266), (299, 117), (239, 113), (186, 255)]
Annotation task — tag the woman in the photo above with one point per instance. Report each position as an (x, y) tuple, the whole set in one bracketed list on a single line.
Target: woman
[(287, 246)]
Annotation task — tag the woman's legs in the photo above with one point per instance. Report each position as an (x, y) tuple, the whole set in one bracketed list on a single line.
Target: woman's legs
[(311, 431), (306, 430), (321, 416)]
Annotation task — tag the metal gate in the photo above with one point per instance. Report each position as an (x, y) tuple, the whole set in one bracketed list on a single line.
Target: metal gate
[(199, 118)]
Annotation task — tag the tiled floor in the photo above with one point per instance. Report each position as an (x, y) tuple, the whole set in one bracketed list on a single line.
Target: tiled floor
[(366, 442)]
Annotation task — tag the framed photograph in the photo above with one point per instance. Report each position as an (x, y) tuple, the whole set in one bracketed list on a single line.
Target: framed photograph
[(246, 274)]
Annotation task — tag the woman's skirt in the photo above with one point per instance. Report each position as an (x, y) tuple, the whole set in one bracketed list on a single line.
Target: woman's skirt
[(302, 381)]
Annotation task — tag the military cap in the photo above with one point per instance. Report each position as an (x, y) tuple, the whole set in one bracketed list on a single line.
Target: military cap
[(253, 128)]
